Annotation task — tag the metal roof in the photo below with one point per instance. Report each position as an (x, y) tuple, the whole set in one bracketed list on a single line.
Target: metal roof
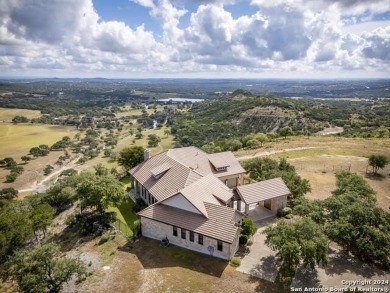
[(259, 191), (222, 223)]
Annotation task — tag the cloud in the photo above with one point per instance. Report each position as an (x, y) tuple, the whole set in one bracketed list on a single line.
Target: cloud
[(281, 37), (377, 44)]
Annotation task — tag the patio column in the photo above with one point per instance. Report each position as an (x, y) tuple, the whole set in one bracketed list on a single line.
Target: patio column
[(246, 209), (239, 205)]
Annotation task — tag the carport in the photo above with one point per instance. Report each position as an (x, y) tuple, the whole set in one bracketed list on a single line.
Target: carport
[(263, 199)]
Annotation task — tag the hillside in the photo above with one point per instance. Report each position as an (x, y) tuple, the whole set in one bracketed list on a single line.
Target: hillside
[(221, 120)]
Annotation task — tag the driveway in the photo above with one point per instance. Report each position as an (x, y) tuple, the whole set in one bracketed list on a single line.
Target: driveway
[(260, 261)]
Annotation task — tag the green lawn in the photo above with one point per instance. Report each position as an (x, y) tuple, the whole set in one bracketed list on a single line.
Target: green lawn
[(124, 212)]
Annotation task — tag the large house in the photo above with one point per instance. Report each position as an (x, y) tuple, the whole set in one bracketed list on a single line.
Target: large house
[(197, 200)]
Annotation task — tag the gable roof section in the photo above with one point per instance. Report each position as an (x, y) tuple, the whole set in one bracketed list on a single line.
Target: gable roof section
[(259, 191), (169, 183), (206, 190), (200, 161), (221, 223)]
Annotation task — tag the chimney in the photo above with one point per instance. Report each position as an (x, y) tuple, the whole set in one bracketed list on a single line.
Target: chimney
[(146, 155)]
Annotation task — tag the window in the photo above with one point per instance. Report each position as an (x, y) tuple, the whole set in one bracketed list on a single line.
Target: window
[(183, 233), (174, 231), (191, 236), (200, 239), (219, 245)]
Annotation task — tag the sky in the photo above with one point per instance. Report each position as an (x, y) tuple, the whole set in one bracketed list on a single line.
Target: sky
[(195, 38)]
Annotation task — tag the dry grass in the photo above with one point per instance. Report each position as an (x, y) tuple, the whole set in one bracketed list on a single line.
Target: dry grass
[(16, 140), (7, 114), (147, 267)]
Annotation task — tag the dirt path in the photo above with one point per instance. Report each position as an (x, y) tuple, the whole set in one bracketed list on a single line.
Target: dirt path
[(41, 185), (267, 153)]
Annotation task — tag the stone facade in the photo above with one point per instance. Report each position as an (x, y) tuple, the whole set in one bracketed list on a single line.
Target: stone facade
[(232, 180), (157, 230)]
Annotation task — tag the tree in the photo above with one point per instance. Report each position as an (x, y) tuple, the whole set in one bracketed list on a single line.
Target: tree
[(17, 169), (99, 192), (43, 269), (167, 132), (20, 119), (11, 177), (377, 162), (100, 170), (285, 131), (248, 227), (262, 138), (25, 159), (9, 162), (8, 193), (298, 241), (48, 169), (15, 227), (131, 156), (347, 182), (260, 169), (233, 144), (153, 140), (41, 217)]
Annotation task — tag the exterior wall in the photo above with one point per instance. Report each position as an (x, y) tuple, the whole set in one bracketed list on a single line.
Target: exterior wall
[(232, 180), (144, 193), (180, 202), (157, 230), (277, 203)]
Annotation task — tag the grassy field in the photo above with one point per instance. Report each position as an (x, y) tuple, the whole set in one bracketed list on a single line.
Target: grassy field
[(328, 155), (16, 140), (7, 114)]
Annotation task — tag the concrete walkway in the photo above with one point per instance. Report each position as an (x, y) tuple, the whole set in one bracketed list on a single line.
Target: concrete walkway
[(260, 261)]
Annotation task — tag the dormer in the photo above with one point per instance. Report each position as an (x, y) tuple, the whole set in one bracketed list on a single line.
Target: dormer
[(218, 163), (159, 171)]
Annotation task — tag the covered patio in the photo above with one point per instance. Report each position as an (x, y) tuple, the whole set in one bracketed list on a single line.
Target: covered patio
[(263, 199)]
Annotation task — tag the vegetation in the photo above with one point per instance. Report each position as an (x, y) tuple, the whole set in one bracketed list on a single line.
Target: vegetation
[(248, 227), (260, 169), (43, 269), (99, 192), (351, 218), (236, 261), (298, 241), (131, 156), (377, 162), (20, 119)]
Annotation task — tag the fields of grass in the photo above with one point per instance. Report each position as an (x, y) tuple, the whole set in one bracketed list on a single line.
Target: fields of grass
[(16, 140), (7, 114)]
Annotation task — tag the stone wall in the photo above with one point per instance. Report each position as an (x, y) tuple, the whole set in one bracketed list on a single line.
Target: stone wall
[(279, 202), (157, 230)]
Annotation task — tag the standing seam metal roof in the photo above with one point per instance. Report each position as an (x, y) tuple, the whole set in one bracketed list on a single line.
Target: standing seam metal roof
[(222, 223), (259, 191)]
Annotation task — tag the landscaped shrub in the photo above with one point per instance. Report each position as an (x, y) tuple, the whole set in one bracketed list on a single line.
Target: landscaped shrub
[(248, 227), (236, 261), (243, 239), (249, 243), (282, 212)]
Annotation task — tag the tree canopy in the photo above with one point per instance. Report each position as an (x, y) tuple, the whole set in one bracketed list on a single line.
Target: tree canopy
[(131, 156), (377, 162), (43, 269), (297, 241), (99, 192), (261, 169)]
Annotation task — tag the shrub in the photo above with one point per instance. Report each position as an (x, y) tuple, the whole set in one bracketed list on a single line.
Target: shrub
[(249, 243), (282, 212), (243, 239), (236, 261), (248, 227)]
